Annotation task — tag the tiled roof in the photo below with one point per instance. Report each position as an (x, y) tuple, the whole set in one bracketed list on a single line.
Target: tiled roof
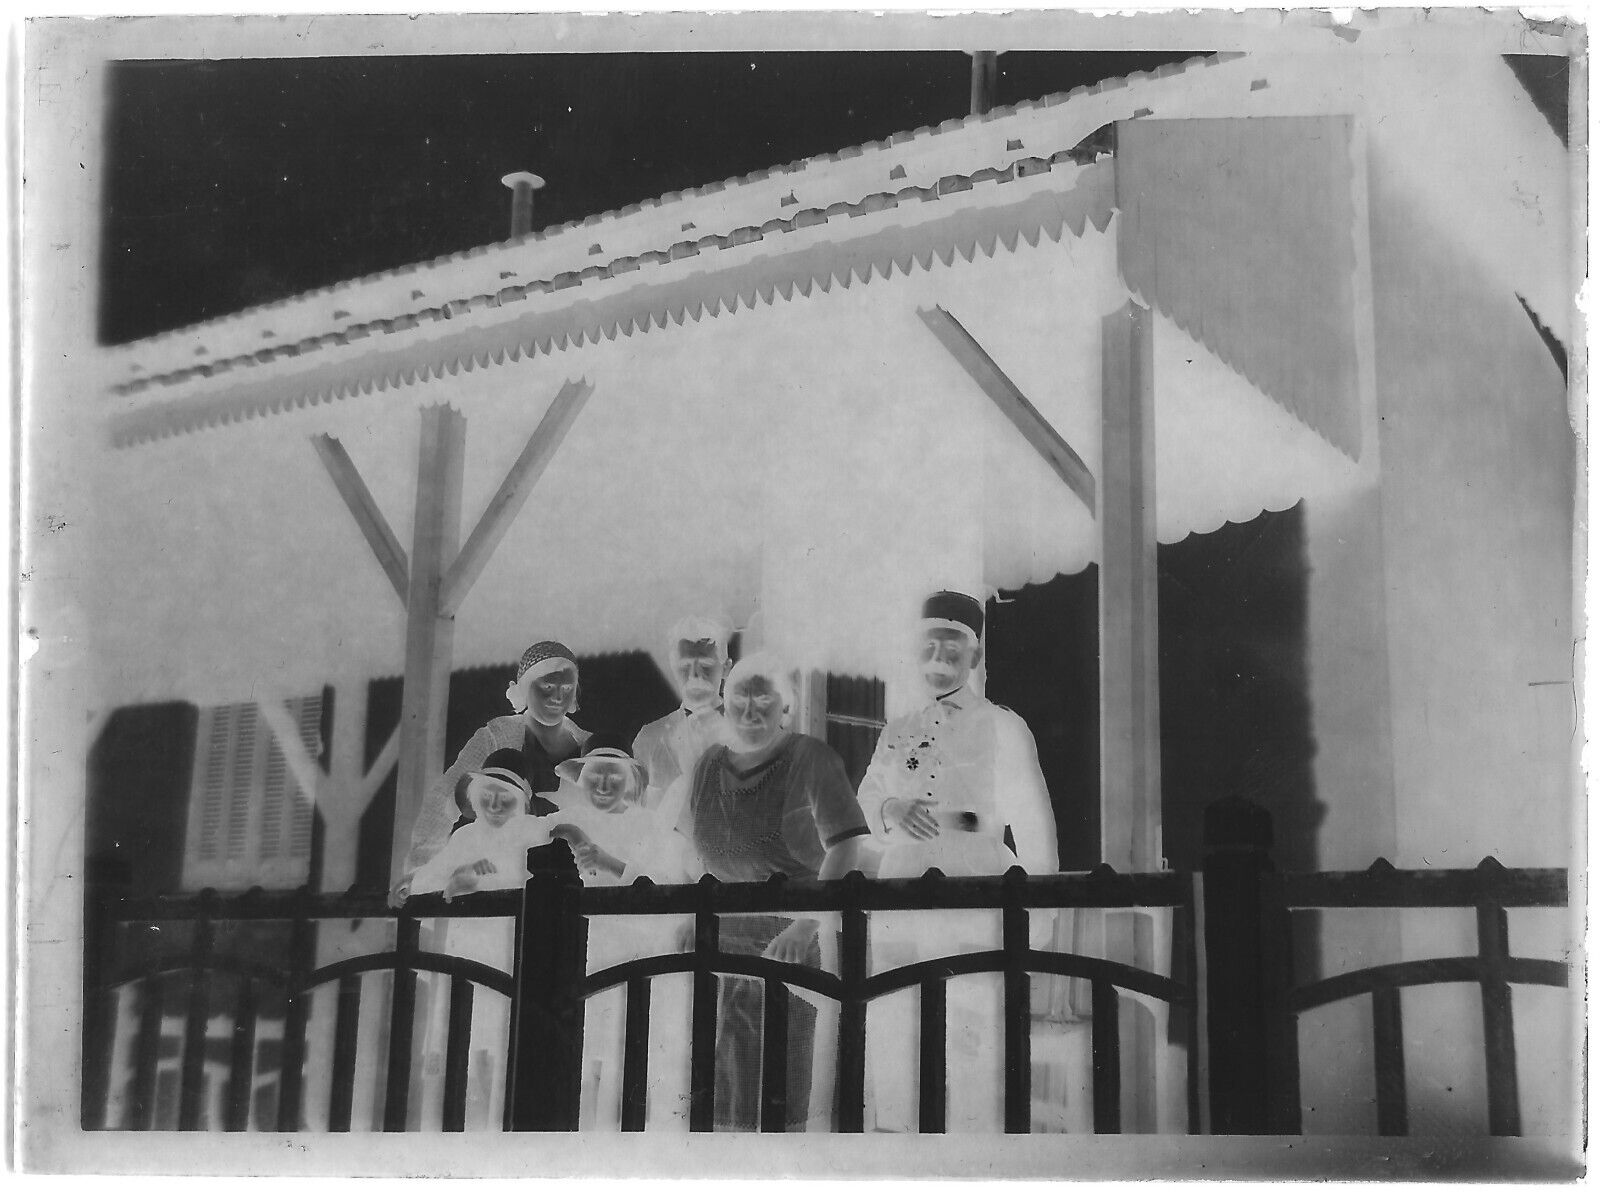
[(1072, 197), (340, 332)]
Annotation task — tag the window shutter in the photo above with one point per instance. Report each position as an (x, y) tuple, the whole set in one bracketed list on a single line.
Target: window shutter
[(241, 782), (300, 803), (250, 823), (215, 737), (852, 720)]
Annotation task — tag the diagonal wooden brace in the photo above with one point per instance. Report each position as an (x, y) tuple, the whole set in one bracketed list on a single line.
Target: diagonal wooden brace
[(375, 528), (1013, 404), (513, 492)]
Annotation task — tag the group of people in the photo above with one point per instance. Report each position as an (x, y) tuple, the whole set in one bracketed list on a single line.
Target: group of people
[(724, 786)]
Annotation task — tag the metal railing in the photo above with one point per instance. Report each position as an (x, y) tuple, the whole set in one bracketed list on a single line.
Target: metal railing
[(1237, 998)]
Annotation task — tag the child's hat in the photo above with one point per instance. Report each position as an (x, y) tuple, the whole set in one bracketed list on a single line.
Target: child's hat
[(602, 745), (504, 764)]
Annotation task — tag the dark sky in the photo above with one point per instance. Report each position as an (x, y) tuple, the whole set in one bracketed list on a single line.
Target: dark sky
[(233, 183)]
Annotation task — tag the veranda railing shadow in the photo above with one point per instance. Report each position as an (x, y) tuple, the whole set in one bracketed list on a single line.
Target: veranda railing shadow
[(1239, 993), (124, 948)]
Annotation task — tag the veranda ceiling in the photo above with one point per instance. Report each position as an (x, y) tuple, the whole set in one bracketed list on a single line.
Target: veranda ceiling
[(820, 459)]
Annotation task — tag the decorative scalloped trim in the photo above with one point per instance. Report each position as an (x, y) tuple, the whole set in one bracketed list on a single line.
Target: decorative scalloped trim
[(805, 218), (649, 306)]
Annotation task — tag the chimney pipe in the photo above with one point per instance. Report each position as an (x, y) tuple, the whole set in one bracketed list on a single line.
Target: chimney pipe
[(985, 79), (522, 185)]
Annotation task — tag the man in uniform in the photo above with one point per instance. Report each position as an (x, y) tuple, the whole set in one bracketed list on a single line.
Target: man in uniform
[(955, 785)]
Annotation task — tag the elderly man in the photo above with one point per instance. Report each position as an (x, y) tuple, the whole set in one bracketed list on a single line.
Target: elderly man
[(669, 747), (946, 785)]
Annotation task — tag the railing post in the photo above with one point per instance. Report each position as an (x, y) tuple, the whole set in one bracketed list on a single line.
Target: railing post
[(1499, 1036), (1253, 1047), (105, 881), (544, 1073), (1018, 1017), (191, 1081), (850, 1076)]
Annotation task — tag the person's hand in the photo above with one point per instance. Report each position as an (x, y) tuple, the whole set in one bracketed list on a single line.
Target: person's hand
[(793, 944), (591, 858), (914, 818), (585, 854), (465, 878), (400, 893), (572, 835)]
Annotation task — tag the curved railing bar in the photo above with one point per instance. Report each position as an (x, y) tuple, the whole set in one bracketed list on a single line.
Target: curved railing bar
[(750, 966), (444, 964), (423, 960), (825, 984), (176, 964), (1046, 962), (1420, 972)]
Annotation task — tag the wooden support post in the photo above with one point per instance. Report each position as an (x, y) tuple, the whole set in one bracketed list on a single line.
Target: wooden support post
[(513, 492), (1130, 722), (432, 584), (429, 632), (1130, 729)]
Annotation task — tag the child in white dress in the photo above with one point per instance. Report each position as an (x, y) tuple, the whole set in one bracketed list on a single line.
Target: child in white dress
[(616, 840), (489, 853)]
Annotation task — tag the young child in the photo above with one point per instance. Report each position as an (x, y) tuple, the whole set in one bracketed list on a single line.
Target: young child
[(488, 853), (616, 840), (613, 837)]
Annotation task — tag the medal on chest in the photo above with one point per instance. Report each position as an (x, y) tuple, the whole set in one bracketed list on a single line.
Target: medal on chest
[(924, 763)]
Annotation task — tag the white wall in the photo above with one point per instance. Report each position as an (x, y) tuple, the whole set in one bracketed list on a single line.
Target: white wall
[(1442, 664)]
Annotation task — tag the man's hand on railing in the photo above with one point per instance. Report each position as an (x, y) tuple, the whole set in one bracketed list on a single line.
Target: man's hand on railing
[(914, 818), (793, 944), (400, 893)]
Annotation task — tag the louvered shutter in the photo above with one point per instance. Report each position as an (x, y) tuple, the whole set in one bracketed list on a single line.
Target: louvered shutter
[(249, 821)]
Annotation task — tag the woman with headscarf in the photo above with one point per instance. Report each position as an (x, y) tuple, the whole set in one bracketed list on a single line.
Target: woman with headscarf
[(543, 694), (767, 802)]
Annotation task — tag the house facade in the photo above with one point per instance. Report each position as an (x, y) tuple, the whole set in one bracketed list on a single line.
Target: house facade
[(809, 396)]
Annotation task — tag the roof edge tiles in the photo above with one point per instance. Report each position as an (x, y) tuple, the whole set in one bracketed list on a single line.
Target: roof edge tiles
[(647, 305), (586, 224), (804, 218)]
